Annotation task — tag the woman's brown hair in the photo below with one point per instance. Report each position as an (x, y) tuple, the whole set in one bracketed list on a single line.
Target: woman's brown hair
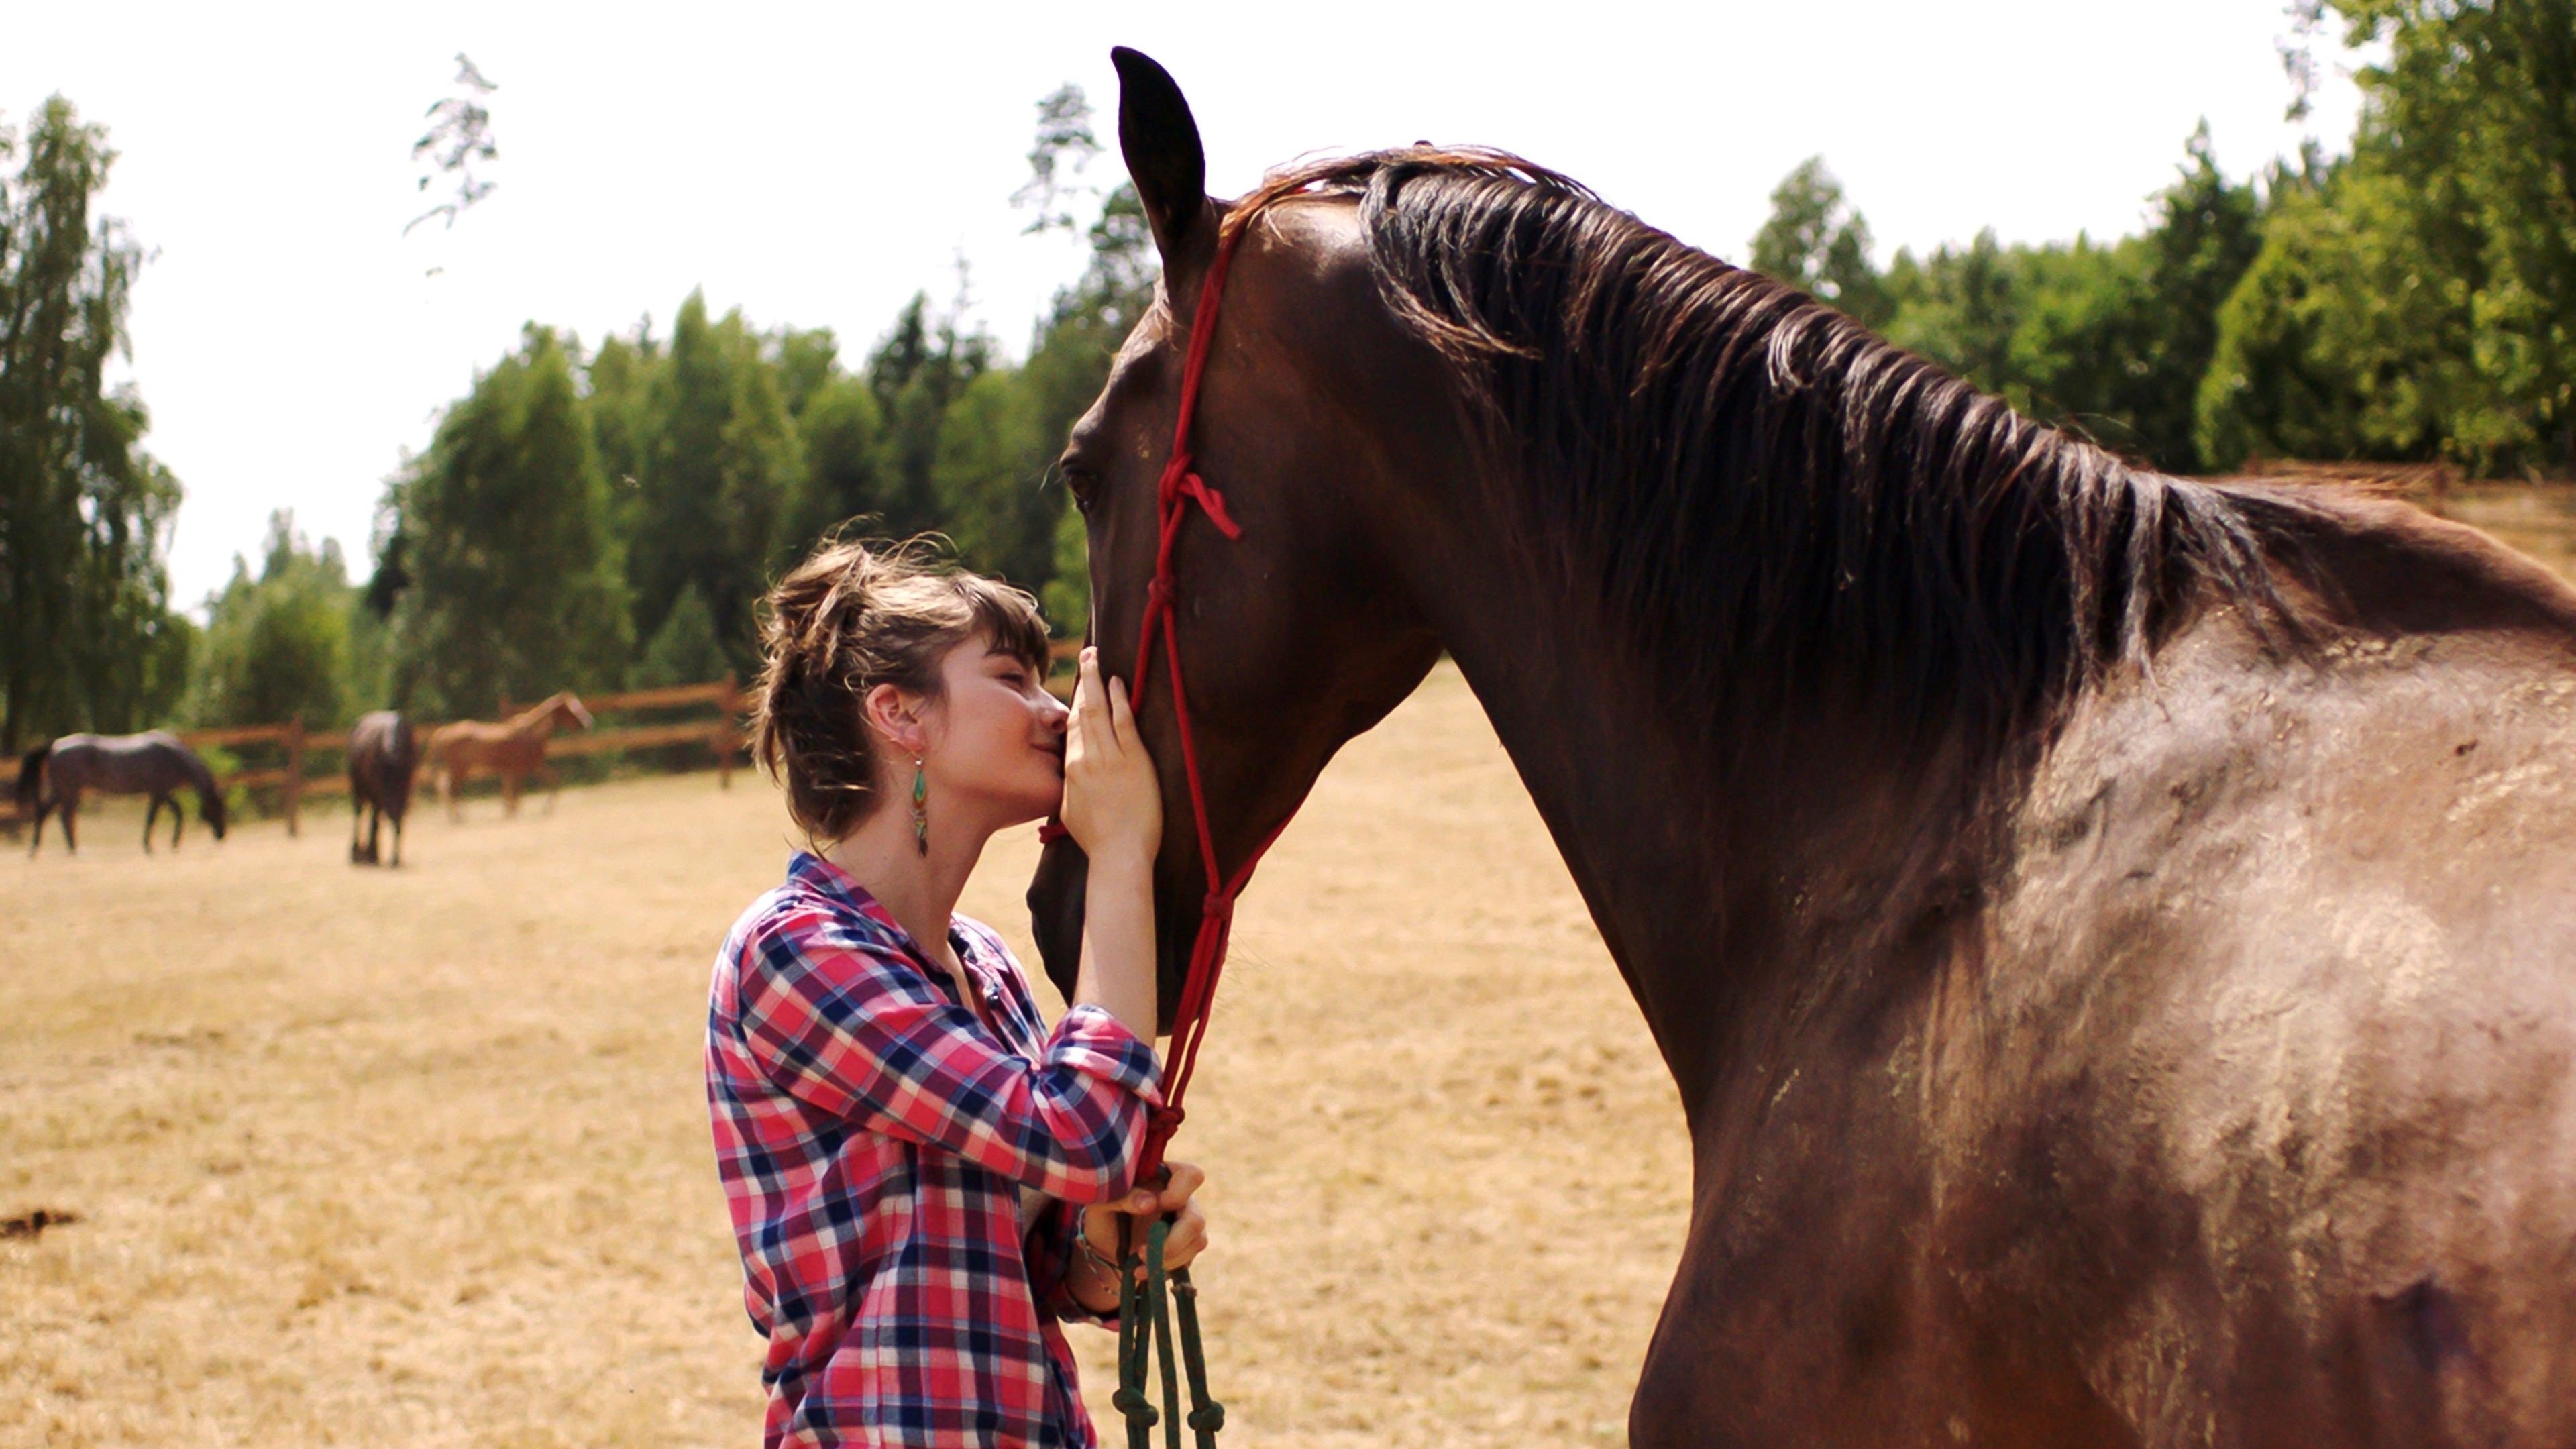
[(853, 616)]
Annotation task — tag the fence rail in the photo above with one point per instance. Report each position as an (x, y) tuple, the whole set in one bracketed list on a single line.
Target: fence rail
[(292, 786), (722, 736), (296, 779)]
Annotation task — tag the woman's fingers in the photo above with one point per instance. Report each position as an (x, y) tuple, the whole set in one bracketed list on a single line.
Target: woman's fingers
[(1122, 716), (1073, 739), (1178, 1188), (1112, 799), (1087, 723), (1188, 1237), (1183, 1185)]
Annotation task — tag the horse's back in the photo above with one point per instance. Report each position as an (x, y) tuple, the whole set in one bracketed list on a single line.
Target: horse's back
[(384, 751), (2280, 993), (152, 760), (385, 734), (516, 746)]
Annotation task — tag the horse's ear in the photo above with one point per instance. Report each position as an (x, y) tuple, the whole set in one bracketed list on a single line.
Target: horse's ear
[(1160, 141)]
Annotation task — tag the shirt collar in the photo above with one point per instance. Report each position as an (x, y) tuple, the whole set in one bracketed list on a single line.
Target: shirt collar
[(814, 872)]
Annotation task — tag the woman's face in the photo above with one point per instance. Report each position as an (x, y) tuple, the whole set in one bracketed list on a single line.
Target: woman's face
[(996, 737)]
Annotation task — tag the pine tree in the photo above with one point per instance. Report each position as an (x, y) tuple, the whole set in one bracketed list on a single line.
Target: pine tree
[(516, 587)]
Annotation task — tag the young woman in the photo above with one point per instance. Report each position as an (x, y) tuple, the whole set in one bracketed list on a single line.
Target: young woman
[(923, 1178)]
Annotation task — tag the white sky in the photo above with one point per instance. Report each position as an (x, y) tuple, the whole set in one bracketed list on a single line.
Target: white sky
[(816, 164)]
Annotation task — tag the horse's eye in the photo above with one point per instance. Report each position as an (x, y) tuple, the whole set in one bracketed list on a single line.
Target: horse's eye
[(1080, 482)]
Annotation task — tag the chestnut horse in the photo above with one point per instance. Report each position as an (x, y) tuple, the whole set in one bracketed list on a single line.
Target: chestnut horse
[(2114, 937), (513, 750)]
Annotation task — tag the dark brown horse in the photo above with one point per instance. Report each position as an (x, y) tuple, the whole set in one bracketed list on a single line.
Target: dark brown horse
[(383, 755), (54, 778), (2114, 937)]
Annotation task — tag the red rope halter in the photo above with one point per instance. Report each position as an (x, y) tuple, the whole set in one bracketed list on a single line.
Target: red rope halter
[(1180, 487)]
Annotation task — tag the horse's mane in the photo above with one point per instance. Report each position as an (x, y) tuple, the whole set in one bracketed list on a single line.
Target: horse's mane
[(1751, 475)]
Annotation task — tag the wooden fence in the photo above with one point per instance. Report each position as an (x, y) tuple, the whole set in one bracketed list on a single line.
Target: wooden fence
[(297, 778), (722, 736)]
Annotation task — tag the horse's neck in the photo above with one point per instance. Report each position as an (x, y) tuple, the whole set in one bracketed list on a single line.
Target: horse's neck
[(538, 720), (1722, 872)]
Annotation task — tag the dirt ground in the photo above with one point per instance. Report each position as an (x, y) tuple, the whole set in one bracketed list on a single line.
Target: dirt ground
[(420, 1157)]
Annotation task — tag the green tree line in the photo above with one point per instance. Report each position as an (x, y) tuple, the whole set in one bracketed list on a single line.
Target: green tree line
[(598, 514), (2410, 300)]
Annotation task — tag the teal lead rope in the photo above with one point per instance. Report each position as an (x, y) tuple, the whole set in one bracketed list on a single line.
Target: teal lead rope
[(1144, 1328)]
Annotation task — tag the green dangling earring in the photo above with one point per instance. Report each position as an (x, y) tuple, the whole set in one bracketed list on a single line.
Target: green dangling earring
[(920, 808)]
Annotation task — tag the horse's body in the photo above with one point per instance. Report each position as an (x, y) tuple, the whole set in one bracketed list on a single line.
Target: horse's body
[(54, 777), (2111, 935), (513, 749), (383, 755)]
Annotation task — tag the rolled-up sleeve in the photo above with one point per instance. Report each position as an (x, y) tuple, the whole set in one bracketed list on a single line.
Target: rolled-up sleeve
[(866, 1037)]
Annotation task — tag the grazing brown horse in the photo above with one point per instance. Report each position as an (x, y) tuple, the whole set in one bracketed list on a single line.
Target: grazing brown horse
[(54, 777), (383, 754), (2114, 937), (513, 750)]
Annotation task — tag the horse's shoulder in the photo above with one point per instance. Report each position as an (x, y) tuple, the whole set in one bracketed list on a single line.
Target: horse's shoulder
[(2229, 807)]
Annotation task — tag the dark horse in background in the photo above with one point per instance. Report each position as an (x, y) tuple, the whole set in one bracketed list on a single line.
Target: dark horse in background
[(384, 754), (2114, 937), (54, 777)]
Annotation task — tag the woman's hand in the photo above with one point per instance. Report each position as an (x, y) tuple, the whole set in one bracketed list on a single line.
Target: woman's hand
[(1113, 802), (1188, 1237)]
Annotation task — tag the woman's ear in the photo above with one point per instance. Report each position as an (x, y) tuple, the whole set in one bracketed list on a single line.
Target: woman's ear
[(895, 714)]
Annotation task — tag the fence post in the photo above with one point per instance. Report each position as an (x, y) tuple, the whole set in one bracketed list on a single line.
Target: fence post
[(727, 703), (294, 773)]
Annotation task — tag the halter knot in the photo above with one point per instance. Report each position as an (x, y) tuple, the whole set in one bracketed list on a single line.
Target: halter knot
[(1217, 906), (1212, 503)]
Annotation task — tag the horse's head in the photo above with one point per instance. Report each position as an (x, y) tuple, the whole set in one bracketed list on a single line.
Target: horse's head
[(1299, 634), (210, 808), (568, 712)]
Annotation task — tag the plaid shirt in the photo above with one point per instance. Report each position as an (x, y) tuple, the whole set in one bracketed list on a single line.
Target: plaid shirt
[(874, 1135)]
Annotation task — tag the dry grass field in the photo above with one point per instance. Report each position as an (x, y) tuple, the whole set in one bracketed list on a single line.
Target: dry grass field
[(420, 1157)]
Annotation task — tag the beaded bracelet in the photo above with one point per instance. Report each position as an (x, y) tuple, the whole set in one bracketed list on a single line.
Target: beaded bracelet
[(1082, 1240)]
